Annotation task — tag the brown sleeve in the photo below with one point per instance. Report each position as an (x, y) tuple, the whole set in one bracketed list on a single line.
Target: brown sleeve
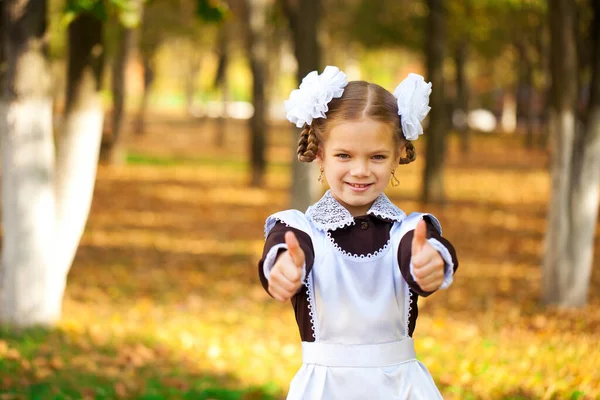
[(276, 236), (405, 254)]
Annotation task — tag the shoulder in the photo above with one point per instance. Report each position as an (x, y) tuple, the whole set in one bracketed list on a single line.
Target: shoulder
[(410, 222), (292, 218)]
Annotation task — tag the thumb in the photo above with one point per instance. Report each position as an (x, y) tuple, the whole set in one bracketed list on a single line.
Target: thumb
[(419, 238), (294, 249)]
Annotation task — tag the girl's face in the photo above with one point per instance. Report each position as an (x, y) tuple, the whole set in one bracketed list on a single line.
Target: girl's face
[(358, 158)]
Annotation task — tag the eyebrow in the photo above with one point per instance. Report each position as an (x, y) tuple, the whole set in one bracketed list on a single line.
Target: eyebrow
[(380, 151)]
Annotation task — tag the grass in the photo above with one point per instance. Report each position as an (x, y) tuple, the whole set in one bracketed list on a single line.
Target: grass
[(163, 301)]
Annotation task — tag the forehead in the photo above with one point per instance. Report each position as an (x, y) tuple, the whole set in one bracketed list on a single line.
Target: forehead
[(363, 134)]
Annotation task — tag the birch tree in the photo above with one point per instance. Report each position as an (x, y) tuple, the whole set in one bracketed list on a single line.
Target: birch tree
[(29, 289), (46, 197), (575, 166)]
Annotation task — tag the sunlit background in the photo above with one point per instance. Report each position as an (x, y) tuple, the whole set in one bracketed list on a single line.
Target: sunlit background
[(163, 301)]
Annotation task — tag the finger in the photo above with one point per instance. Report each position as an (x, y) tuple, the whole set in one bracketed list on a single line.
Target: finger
[(279, 293), (288, 269), (284, 283), (431, 267), (294, 249), (431, 286), (432, 280), (427, 255), (419, 238)]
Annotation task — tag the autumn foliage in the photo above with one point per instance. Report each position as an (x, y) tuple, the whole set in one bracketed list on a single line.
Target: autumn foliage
[(163, 300)]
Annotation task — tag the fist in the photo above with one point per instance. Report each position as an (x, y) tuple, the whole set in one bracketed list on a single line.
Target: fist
[(428, 265), (286, 274)]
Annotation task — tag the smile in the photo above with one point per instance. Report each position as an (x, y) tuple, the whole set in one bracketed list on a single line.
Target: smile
[(359, 187)]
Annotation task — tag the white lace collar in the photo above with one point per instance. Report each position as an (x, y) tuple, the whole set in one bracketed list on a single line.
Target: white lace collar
[(328, 214)]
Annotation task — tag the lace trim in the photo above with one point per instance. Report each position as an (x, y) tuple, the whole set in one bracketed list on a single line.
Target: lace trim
[(358, 257), (328, 214), (270, 223), (311, 304), (409, 302), (383, 208)]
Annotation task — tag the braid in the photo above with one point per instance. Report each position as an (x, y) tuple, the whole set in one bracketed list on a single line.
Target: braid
[(411, 154), (308, 145)]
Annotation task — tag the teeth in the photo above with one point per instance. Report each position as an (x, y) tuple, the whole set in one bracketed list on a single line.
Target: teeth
[(358, 186)]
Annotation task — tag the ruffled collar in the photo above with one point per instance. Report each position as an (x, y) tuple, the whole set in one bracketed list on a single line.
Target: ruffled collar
[(328, 214)]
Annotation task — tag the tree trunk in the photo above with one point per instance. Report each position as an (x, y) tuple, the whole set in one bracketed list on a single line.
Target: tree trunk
[(433, 182), (462, 94), (582, 49), (543, 48), (148, 66), (585, 189), (115, 151), (194, 61), (304, 22), (525, 90), (29, 287), (557, 270), (79, 144), (255, 11), (222, 82), (2, 46)]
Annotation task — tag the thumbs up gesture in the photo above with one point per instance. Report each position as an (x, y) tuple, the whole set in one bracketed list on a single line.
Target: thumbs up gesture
[(428, 265), (286, 275)]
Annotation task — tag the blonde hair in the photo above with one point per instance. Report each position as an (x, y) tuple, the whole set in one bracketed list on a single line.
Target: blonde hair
[(360, 100)]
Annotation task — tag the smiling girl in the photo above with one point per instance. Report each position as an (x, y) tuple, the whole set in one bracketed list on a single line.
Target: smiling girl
[(354, 264)]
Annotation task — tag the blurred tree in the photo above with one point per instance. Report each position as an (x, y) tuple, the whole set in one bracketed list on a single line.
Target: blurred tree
[(47, 199), (528, 24), (164, 21), (555, 280), (586, 176), (582, 26), (222, 81), (3, 65), (255, 12), (149, 40), (128, 15), (303, 18), (30, 287), (79, 142), (460, 46), (433, 184), (575, 168)]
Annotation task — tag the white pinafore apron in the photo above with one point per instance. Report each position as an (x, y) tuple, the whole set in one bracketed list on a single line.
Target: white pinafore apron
[(359, 308)]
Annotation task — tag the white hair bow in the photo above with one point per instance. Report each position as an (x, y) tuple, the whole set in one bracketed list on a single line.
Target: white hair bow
[(412, 95), (310, 99)]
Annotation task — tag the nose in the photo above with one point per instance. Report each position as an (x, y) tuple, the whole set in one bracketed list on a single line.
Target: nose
[(360, 169)]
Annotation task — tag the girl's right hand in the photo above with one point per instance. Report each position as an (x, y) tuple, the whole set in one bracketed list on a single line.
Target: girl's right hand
[(286, 275)]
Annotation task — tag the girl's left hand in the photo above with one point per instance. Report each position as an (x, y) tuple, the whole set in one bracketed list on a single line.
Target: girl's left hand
[(428, 265)]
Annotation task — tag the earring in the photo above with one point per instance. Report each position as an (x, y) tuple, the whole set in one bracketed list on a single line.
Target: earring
[(394, 180), (320, 178)]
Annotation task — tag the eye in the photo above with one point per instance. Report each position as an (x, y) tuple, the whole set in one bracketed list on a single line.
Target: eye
[(342, 155), (379, 157)]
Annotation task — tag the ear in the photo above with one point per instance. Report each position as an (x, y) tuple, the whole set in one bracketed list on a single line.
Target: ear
[(398, 153), (319, 157)]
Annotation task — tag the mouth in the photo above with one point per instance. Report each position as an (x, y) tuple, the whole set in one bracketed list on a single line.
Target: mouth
[(359, 187)]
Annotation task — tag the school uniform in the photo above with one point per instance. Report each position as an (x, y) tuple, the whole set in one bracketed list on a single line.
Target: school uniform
[(357, 310)]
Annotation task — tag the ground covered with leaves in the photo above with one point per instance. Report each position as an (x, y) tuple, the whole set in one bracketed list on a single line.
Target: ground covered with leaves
[(163, 300)]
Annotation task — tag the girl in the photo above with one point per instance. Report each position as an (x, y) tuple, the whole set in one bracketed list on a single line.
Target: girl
[(354, 264)]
